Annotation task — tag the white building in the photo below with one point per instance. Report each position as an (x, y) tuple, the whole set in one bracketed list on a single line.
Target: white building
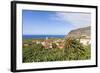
[(85, 40)]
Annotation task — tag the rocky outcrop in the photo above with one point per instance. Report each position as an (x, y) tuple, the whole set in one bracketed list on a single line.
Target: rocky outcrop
[(86, 31)]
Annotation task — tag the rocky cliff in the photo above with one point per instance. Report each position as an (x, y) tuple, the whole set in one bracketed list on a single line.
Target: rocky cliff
[(86, 31)]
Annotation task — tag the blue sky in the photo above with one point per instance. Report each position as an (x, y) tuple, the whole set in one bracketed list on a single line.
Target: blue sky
[(53, 23)]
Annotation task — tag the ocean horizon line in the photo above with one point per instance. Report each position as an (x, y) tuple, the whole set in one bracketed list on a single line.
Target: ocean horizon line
[(43, 36)]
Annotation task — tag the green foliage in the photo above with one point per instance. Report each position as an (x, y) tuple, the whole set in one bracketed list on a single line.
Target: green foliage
[(54, 45), (73, 50)]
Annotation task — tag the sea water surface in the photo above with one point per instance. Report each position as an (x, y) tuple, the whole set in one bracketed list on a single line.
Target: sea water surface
[(43, 36)]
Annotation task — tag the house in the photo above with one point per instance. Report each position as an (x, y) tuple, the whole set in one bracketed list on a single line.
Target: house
[(47, 43), (61, 46), (38, 42), (25, 44), (85, 41)]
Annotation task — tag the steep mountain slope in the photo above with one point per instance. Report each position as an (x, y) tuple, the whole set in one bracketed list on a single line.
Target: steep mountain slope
[(86, 31)]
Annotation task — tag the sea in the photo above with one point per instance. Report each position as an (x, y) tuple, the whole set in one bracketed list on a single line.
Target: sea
[(42, 36)]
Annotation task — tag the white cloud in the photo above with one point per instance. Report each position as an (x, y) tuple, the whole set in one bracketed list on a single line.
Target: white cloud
[(78, 20)]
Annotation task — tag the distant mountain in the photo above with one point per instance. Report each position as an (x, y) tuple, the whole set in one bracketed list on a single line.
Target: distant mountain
[(86, 31)]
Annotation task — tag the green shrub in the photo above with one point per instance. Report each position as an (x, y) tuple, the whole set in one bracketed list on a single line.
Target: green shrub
[(73, 50)]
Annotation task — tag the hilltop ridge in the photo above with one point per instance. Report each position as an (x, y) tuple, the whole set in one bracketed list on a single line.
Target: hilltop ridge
[(86, 31)]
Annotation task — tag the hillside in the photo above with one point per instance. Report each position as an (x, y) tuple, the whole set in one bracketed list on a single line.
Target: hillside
[(86, 31)]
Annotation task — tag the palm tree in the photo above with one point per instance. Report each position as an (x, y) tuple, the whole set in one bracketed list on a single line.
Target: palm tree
[(73, 46)]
